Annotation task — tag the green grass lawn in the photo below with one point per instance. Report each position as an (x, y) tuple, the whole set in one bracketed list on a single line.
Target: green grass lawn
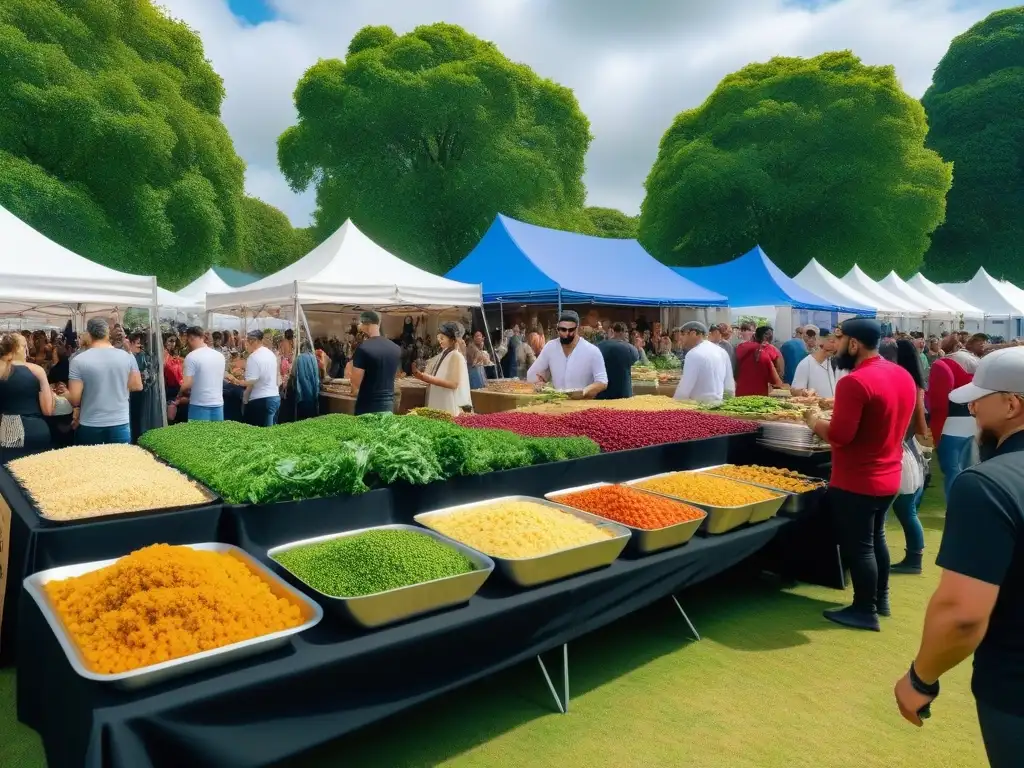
[(771, 685)]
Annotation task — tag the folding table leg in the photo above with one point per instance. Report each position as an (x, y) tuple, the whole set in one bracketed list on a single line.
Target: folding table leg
[(689, 623), (565, 679)]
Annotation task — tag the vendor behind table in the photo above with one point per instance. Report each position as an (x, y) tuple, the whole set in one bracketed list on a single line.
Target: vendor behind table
[(570, 363)]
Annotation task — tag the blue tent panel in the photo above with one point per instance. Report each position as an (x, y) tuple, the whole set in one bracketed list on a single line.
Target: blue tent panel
[(752, 280), (515, 261)]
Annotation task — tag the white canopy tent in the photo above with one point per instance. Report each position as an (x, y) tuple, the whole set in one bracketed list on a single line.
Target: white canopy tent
[(899, 288), (1004, 311), (968, 316), (819, 281), (885, 300), (208, 282), (1015, 292)]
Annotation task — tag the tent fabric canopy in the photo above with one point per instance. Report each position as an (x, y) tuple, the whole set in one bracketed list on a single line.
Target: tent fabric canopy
[(208, 282), (349, 271), (40, 277), (990, 294), (882, 299), (926, 287), (898, 287), (753, 280), (520, 262), (819, 281)]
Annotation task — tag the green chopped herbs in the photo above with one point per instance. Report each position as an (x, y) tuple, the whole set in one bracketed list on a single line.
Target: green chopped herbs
[(751, 404), (342, 455), (372, 562)]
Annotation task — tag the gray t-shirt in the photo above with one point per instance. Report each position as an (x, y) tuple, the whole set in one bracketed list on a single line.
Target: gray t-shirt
[(206, 367), (104, 372)]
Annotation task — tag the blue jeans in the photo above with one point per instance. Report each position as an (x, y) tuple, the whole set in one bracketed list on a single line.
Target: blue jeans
[(905, 507), (477, 380), (205, 412), (103, 435), (951, 452), (262, 412)]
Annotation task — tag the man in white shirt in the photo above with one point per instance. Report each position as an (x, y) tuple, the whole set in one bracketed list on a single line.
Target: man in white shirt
[(203, 379), (570, 362), (262, 396), (707, 371), (816, 373)]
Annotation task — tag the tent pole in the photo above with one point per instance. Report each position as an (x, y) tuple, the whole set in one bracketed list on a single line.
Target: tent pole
[(158, 352), (501, 316), (296, 346), (559, 301), (487, 339)]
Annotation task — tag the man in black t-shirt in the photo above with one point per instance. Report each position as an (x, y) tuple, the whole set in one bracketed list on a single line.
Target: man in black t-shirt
[(979, 604), (619, 356), (374, 366)]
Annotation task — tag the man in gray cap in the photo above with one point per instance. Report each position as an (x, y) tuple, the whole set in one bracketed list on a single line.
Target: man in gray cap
[(99, 380), (570, 362), (707, 371), (374, 366), (978, 606)]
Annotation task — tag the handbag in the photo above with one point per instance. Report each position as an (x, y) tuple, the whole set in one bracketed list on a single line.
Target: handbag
[(911, 471)]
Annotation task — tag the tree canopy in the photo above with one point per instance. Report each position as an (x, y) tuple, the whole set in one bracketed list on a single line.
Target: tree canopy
[(609, 222), (821, 157), (111, 141), (269, 242), (423, 138), (975, 109)]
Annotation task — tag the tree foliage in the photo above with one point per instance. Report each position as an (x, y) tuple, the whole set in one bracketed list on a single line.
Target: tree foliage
[(975, 109), (111, 141), (609, 222), (422, 139), (269, 242), (820, 157)]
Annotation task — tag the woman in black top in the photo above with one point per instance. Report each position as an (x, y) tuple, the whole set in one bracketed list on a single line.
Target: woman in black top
[(25, 398)]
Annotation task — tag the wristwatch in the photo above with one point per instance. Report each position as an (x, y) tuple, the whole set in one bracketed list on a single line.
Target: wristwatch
[(925, 689)]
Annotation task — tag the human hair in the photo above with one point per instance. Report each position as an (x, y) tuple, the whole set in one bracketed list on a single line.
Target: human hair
[(194, 332), (619, 328), (762, 332), (9, 343), (97, 328), (256, 335), (746, 326), (909, 360), (887, 348)]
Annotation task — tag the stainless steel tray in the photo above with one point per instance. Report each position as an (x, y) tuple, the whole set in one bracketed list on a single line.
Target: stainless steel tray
[(381, 608), (643, 541), (793, 450), (532, 571), (795, 501), (721, 519), (167, 670)]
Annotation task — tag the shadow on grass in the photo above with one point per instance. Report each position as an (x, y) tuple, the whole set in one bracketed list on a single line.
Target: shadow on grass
[(483, 711)]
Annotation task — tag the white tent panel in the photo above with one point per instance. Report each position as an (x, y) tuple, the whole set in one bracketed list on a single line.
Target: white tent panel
[(989, 294), (926, 287), (208, 282), (898, 287), (886, 302), (1015, 293), (819, 281), (350, 270), (38, 276)]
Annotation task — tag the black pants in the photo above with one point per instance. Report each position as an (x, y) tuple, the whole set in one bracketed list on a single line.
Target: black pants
[(1003, 735), (860, 523)]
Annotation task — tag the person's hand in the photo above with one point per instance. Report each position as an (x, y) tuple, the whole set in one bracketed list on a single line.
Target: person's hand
[(811, 416), (74, 418), (910, 701), (577, 394), (541, 379)]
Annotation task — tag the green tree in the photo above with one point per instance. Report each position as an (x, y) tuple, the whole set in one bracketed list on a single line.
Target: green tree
[(111, 141), (422, 139), (975, 109), (609, 222), (269, 242), (820, 157)]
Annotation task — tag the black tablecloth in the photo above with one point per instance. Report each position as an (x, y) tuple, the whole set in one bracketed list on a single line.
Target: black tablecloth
[(333, 679), (37, 544)]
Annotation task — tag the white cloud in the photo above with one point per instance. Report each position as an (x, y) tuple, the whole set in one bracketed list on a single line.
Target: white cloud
[(633, 66)]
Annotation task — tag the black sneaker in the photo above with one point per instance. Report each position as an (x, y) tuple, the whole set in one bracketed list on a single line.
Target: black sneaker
[(882, 607), (854, 618)]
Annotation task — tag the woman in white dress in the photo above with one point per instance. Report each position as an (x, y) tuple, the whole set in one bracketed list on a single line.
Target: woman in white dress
[(448, 377)]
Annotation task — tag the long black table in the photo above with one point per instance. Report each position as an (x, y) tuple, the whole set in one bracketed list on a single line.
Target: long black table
[(333, 679)]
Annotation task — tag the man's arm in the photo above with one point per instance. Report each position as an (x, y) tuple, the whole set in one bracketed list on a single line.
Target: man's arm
[(355, 379), (539, 370), (801, 378), (75, 384), (188, 374), (691, 373), (841, 430), (730, 380), (599, 374)]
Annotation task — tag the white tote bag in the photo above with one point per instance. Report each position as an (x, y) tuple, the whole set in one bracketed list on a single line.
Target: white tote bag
[(912, 472)]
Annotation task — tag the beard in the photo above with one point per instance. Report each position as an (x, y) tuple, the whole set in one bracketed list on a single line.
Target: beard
[(844, 361), (567, 340), (988, 443)]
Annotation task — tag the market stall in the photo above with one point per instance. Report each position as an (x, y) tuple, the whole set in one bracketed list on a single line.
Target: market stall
[(970, 318), (1004, 311), (941, 316), (819, 281), (906, 313)]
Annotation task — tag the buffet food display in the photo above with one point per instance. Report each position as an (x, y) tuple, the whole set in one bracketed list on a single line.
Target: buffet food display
[(635, 403), (759, 408), (770, 477), (165, 610), (63, 489)]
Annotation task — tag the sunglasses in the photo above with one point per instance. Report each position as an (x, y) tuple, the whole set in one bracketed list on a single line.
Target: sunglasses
[(563, 329)]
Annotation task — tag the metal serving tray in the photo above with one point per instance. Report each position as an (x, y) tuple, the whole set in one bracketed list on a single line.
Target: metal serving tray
[(532, 571), (381, 608), (795, 502), (794, 450), (643, 541), (721, 519), (158, 673)]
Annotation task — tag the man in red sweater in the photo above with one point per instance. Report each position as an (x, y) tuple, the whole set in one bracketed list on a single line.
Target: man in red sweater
[(873, 407)]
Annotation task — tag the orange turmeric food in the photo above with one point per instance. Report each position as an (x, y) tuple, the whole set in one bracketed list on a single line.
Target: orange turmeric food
[(630, 507), (164, 602)]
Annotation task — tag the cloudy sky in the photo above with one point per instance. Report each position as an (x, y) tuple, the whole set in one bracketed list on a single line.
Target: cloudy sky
[(633, 65)]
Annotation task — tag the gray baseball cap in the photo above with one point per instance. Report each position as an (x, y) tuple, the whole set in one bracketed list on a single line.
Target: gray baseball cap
[(1001, 371), (695, 325)]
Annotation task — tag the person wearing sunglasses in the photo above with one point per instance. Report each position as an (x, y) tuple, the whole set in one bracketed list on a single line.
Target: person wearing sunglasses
[(570, 362), (978, 606)]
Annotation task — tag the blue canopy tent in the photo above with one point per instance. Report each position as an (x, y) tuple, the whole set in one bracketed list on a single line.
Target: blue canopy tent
[(752, 280), (519, 262)]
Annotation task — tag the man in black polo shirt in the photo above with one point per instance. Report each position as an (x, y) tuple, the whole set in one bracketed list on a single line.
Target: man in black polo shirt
[(619, 356), (979, 604)]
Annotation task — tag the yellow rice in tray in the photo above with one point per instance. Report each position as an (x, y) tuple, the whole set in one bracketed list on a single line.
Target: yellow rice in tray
[(93, 480), (518, 529)]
